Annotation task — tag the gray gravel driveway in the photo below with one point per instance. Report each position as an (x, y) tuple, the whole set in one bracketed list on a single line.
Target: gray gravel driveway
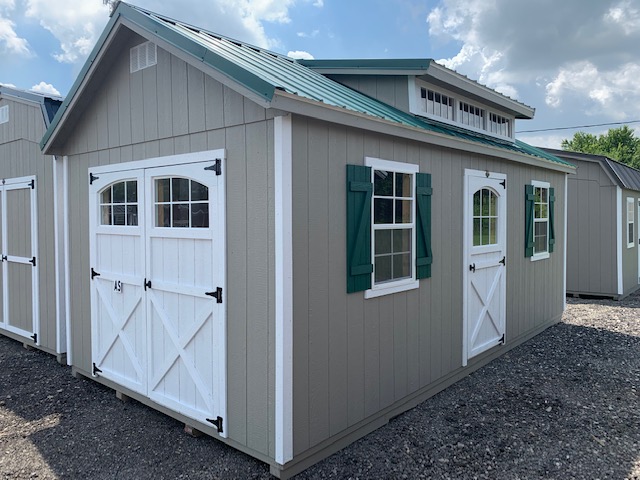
[(566, 405)]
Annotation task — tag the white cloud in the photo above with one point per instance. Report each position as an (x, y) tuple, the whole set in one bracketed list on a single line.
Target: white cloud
[(45, 88), (76, 26), (300, 54), (10, 85), (585, 52), (318, 3), (308, 35), (10, 42)]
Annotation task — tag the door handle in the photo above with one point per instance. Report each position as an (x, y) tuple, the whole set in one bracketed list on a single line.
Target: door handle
[(472, 267), (147, 284)]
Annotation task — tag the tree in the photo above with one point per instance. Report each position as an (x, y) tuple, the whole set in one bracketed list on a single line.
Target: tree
[(618, 143)]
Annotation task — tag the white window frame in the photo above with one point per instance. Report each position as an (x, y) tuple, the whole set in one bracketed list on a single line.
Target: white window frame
[(415, 107), (4, 114), (404, 284), (631, 222), (545, 254)]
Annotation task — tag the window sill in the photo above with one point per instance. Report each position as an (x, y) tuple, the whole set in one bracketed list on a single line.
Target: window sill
[(631, 245), (540, 256), (392, 288)]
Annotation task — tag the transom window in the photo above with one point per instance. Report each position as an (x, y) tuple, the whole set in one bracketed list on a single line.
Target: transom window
[(119, 204), (485, 217), (181, 203), (540, 219), (437, 104), (470, 115), (4, 114), (499, 124)]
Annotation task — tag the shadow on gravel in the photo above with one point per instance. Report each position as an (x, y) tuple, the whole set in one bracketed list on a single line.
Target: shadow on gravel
[(564, 405)]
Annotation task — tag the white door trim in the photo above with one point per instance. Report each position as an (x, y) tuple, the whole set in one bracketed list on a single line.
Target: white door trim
[(619, 239)]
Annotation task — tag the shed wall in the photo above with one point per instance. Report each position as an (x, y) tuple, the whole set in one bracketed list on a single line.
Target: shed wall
[(20, 156), (169, 109), (353, 357), (391, 89), (629, 254)]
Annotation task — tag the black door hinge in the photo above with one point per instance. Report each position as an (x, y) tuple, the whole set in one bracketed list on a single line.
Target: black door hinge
[(502, 339), (216, 167), (32, 184), (503, 261), (504, 183), (216, 423), (92, 177), (94, 273), (33, 261), (217, 294), (35, 338), (4, 258), (96, 370), (472, 267), (147, 284)]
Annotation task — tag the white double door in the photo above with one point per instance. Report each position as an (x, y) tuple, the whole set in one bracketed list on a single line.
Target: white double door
[(485, 262), (19, 305), (157, 306)]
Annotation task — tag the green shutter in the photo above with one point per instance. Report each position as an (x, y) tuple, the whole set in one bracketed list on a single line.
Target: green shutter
[(359, 193), (552, 230), (529, 201), (424, 255)]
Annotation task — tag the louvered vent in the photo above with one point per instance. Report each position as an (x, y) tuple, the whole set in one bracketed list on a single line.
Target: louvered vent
[(4, 114), (143, 56)]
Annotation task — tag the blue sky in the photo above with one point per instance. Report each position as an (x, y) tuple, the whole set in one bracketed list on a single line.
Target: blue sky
[(575, 61)]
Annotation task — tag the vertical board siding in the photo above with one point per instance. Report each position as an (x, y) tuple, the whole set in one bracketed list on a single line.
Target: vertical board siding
[(168, 109), (382, 349), (20, 156)]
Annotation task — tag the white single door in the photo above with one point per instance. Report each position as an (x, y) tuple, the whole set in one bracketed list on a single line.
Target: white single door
[(118, 309), (184, 254), (157, 256), (485, 262), (20, 305)]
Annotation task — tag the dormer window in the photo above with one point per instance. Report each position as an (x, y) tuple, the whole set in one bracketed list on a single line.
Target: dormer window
[(455, 109)]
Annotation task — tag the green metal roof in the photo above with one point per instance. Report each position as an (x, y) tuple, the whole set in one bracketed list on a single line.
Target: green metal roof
[(262, 72)]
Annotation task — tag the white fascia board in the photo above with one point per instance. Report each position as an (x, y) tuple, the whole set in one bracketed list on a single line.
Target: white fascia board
[(283, 184), (295, 104)]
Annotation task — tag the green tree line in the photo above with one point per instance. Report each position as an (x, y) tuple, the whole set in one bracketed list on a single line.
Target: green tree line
[(620, 144)]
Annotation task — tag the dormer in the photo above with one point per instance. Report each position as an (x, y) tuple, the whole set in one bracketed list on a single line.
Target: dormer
[(427, 89)]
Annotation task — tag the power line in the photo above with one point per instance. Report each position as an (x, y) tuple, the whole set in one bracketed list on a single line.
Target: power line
[(579, 126)]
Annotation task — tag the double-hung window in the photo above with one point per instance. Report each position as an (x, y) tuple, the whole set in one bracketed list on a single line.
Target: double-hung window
[(539, 220), (388, 227), (630, 223)]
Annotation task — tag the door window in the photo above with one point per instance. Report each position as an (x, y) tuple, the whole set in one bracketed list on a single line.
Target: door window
[(181, 202), (119, 204), (485, 217)]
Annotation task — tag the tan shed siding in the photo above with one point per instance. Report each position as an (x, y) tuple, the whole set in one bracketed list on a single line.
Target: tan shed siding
[(20, 156), (354, 357), (592, 207), (629, 254), (169, 109), (390, 89)]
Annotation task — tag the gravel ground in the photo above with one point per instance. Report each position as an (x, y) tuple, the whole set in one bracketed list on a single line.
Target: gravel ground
[(566, 405)]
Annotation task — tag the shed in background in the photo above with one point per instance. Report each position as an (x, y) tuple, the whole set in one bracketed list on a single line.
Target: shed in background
[(603, 222), (32, 290)]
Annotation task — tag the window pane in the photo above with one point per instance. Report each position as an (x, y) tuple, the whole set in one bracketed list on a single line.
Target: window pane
[(163, 189), (118, 193), (199, 192), (132, 214), (537, 193), (540, 237), (486, 194), (132, 192), (485, 231), (383, 241), (403, 185), (493, 238), (118, 214), (383, 210), (179, 190), (163, 215), (477, 237), (402, 240), (401, 266), (106, 196), (200, 215), (536, 210), (383, 183), (105, 215), (403, 211), (476, 204), (544, 194), (543, 211), (180, 215), (630, 233), (493, 199), (383, 269)]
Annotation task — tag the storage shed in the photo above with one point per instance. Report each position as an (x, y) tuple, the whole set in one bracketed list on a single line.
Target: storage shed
[(283, 261), (602, 226), (31, 287)]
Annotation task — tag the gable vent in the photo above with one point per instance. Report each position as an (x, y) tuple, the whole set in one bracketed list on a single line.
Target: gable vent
[(143, 56), (4, 114)]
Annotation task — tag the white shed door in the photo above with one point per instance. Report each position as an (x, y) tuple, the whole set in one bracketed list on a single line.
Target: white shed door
[(485, 266), (20, 305), (157, 301)]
